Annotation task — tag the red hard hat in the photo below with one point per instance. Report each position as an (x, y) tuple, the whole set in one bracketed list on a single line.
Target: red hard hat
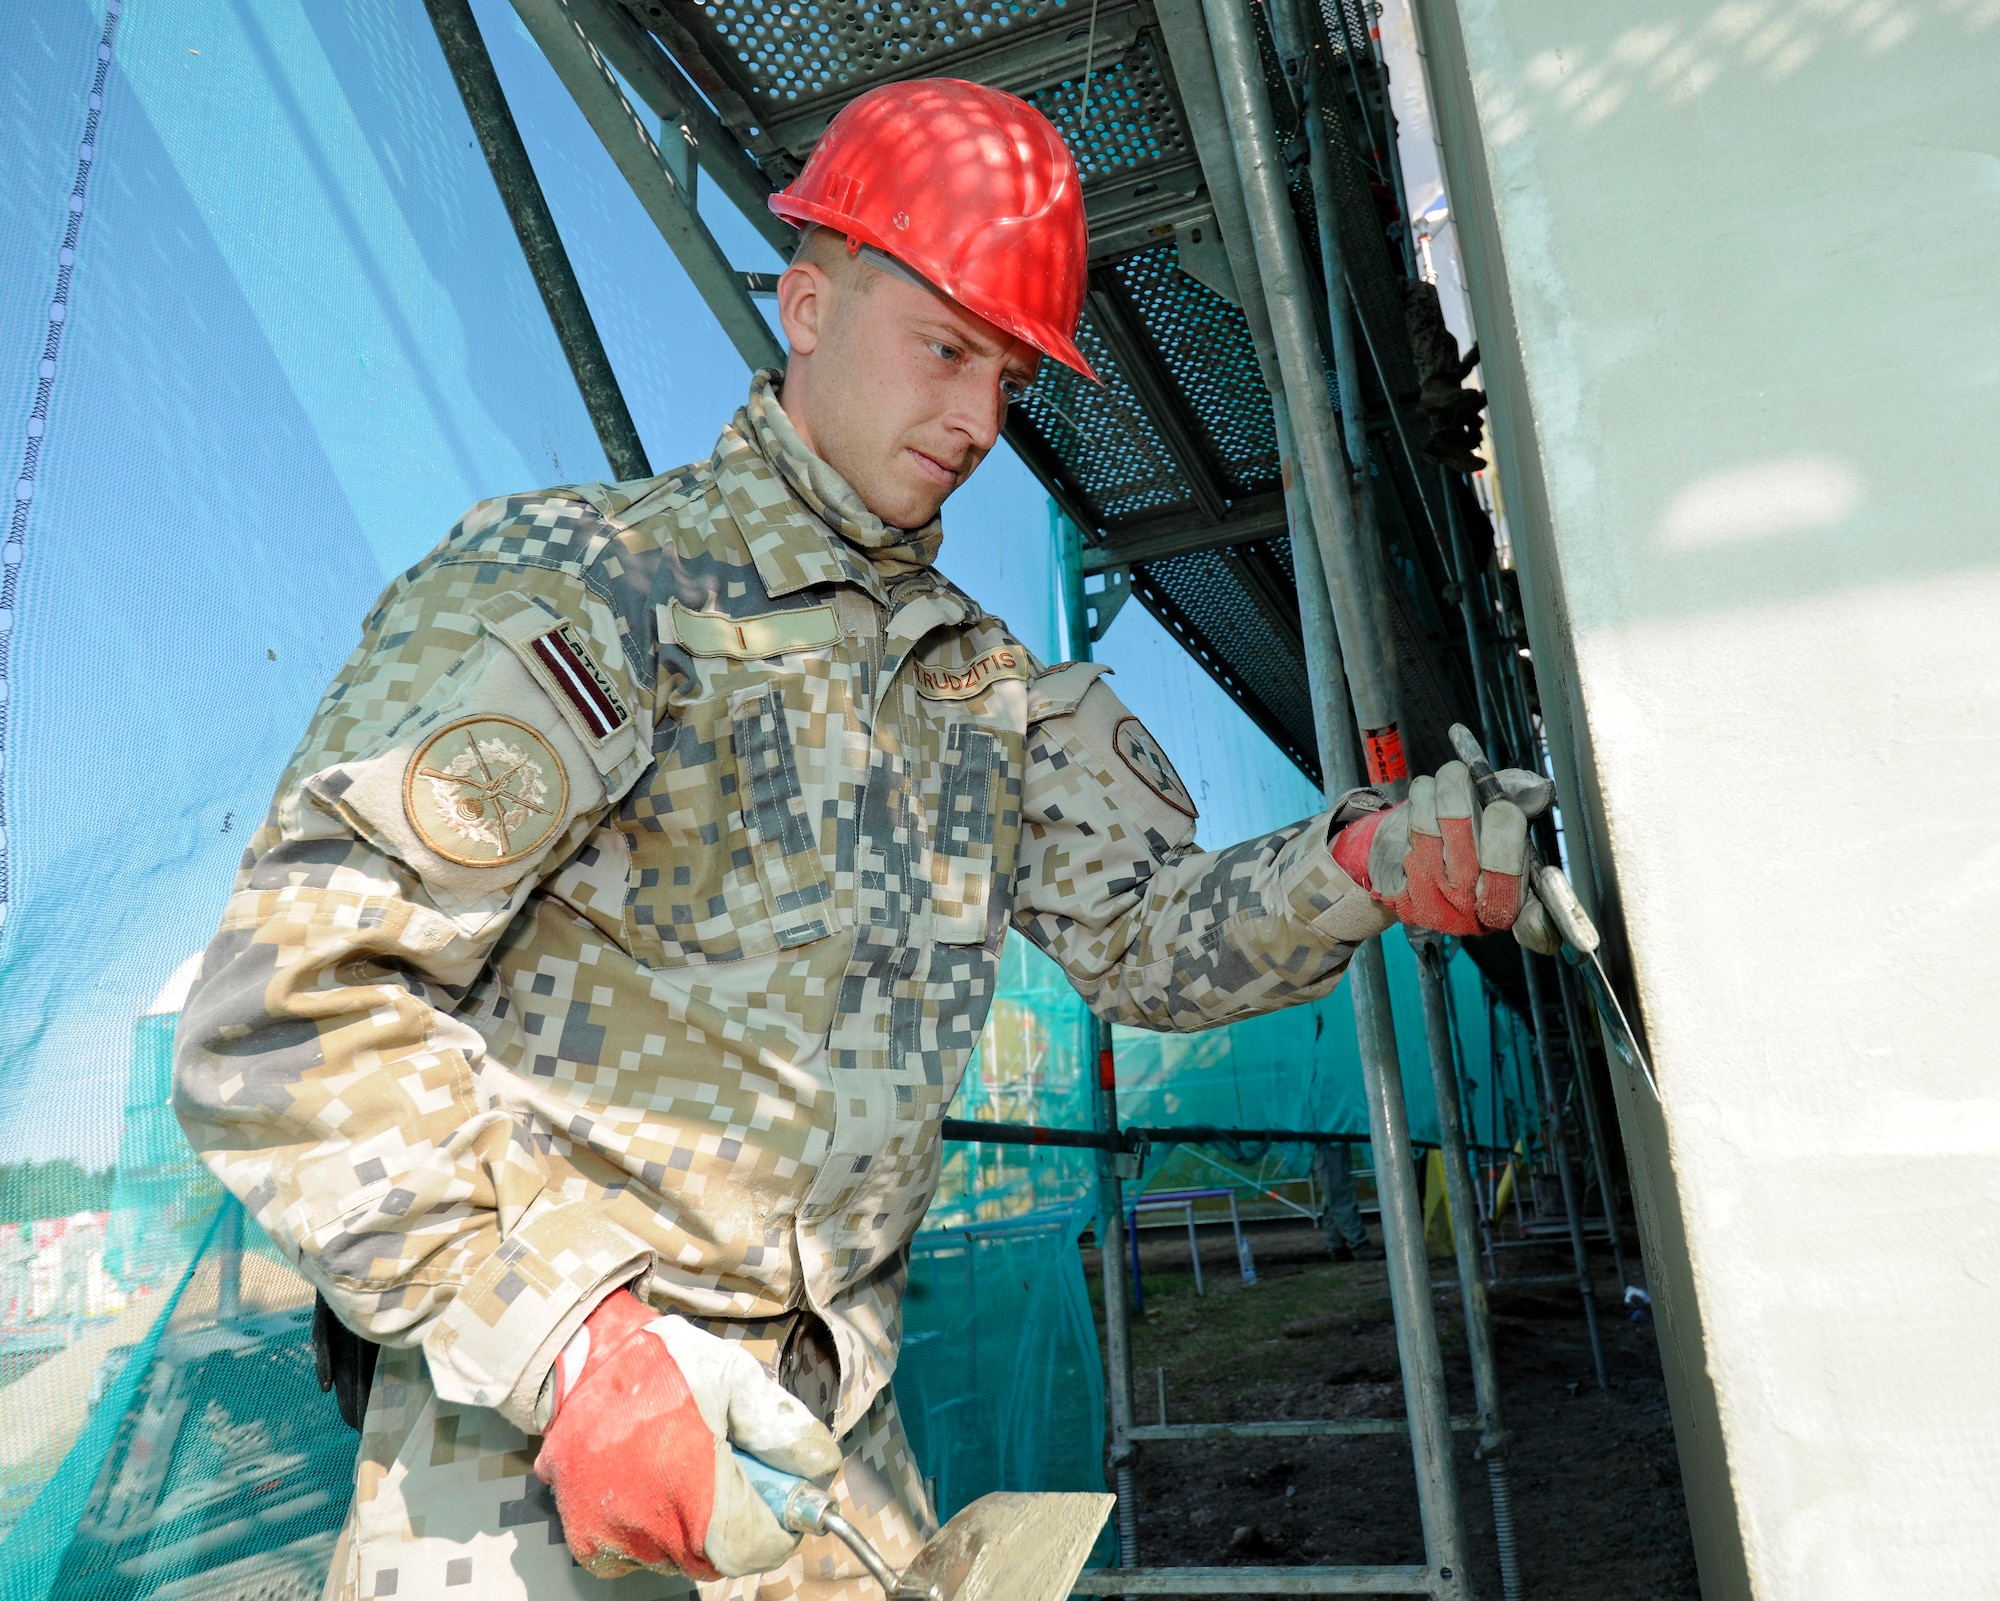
[(971, 188)]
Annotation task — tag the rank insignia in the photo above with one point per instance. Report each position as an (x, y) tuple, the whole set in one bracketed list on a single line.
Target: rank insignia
[(485, 791), (774, 633), (1141, 752)]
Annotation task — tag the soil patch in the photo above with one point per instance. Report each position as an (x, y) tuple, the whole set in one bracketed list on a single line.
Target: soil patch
[(1598, 1507)]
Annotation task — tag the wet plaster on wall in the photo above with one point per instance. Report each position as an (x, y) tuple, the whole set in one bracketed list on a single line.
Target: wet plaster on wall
[(1732, 358)]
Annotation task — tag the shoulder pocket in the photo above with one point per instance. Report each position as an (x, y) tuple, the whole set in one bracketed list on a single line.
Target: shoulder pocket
[(476, 790), (1060, 690), (1115, 744), (562, 661)]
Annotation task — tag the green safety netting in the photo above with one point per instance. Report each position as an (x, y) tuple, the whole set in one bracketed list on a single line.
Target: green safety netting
[(1297, 1069), (997, 1321), (267, 332), (209, 1464)]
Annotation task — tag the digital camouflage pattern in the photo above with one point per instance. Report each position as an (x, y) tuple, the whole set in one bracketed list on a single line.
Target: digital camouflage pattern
[(447, 1497), (658, 956)]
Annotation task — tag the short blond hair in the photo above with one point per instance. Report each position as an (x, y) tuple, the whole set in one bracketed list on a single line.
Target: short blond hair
[(826, 248)]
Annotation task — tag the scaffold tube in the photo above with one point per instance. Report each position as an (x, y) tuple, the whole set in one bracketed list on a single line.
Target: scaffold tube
[(1349, 577)]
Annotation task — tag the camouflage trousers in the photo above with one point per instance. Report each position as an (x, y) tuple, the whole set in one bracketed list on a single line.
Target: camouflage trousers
[(447, 1506)]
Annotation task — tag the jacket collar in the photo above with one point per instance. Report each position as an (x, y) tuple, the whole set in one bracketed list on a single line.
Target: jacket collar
[(803, 522)]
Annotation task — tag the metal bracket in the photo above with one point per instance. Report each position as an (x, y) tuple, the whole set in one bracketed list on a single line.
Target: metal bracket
[(678, 151), (1104, 604), (1200, 253)]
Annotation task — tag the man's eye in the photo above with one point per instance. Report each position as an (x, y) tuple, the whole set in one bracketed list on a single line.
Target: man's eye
[(1013, 390), (945, 352)]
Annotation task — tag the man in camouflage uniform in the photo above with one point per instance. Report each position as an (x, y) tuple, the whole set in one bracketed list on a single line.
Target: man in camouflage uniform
[(632, 905)]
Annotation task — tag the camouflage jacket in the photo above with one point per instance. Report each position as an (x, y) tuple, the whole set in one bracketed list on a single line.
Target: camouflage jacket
[(634, 901)]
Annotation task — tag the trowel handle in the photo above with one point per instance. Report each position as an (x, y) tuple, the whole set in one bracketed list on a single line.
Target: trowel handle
[(799, 1504), (1552, 886), (1552, 889), (804, 1508)]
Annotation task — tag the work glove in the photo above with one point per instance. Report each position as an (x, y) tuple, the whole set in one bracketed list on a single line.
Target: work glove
[(638, 1451), (1442, 861)]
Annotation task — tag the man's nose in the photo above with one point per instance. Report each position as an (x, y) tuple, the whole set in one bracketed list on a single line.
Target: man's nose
[(982, 412)]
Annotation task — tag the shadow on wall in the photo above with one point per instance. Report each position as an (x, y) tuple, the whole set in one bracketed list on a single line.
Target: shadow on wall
[(1752, 354), (1586, 82)]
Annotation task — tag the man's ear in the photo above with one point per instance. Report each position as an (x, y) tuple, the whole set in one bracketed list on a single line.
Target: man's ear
[(803, 304)]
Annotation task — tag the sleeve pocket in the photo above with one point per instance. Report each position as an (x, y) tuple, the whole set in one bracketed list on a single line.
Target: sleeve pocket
[(474, 794)]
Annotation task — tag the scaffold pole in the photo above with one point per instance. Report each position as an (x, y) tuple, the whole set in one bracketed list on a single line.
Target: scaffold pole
[(1349, 580)]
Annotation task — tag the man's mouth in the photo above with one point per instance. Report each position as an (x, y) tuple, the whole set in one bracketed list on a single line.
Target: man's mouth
[(935, 470)]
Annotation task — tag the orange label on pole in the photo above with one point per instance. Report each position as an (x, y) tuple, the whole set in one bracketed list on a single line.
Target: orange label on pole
[(1107, 1070), (1384, 749)]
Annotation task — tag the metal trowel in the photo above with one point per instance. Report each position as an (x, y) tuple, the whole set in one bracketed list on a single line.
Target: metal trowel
[(1008, 1546), (1565, 911)]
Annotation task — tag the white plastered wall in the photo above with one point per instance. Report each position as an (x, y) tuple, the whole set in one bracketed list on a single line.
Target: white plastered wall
[(1736, 270)]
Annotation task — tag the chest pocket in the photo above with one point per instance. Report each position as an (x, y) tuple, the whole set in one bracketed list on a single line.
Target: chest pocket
[(722, 859), (783, 846), (971, 778)]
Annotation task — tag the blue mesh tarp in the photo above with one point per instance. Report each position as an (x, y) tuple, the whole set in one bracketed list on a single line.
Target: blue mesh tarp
[(296, 339), (267, 331)]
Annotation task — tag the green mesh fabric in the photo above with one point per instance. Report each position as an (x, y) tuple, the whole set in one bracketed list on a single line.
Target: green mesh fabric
[(1000, 1383), (1298, 1069), (1000, 1377), (212, 1467), (162, 1198), (167, 1436)]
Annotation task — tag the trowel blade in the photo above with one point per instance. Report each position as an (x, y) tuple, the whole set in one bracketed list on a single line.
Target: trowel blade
[(1010, 1546)]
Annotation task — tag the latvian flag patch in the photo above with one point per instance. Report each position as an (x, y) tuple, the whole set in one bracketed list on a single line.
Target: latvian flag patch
[(578, 676)]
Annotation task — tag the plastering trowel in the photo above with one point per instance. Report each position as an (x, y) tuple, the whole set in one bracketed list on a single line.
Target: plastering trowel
[(1571, 921), (1008, 1546)]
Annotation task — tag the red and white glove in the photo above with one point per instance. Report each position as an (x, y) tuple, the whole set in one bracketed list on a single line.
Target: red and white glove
[(638, 1451), (1441, 861)]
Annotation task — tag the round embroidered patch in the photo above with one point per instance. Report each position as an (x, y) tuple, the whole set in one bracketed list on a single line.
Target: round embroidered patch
[(1141, 752), (485, 791)]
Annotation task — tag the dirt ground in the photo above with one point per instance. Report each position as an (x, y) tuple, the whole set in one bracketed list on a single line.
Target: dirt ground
[(1598, 1506)]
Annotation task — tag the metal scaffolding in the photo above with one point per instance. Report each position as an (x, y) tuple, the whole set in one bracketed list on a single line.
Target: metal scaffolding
[(1256, 469)]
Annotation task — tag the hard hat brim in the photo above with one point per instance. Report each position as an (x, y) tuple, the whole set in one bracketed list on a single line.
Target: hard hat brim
[(1050, 341)]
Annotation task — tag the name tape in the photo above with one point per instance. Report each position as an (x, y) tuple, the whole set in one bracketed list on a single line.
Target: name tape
[(962, 683)]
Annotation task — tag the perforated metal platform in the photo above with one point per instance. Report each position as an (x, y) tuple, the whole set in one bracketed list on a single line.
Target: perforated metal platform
[(1171, 468)]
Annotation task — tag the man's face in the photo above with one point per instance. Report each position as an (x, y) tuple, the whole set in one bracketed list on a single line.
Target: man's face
[(899, 390)]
